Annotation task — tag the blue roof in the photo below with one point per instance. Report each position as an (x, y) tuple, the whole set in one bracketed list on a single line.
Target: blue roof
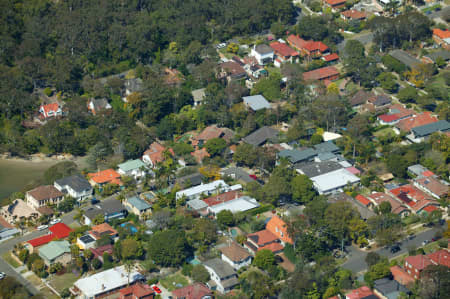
[(138, 203), (327, 146), (257, 102)]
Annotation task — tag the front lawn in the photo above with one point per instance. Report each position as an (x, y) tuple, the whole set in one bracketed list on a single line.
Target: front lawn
[(385, 132), (10, 260), (171, 281), (60, 282)]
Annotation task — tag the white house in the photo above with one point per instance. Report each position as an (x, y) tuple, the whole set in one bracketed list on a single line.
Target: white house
[(222, 274), (207, 189), (43, 196), (50, 110), (240, 204), (133, 168), (333, 181), (75, 186), (263, 54), (235, 255)]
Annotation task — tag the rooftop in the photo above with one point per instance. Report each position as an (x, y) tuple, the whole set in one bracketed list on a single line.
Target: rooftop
[(235, 252), (333, 180), (241, 204), (283, 49), (54, 249), (405, 58), (105, 176), (196, 204), (131, 165), (221, 198), (138, 290), (428, 129), (138, 203), (102, 229), (354, 14), (198, 94), (76, 182), (389, 287), (256, 102), (418, 120), (261, 136), (204, 188), (193, 291), (221, 268), (105, 207), (263, 49), (433, 185), (442, 34), (295, 155), (321, 73), (262, 237), (360, 293), (45, 192), (279, 228)]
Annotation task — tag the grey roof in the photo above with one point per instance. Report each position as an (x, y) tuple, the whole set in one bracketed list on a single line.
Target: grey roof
[(296, 156), (326, 156), (221, 268), (381, 100), (389, 287), (405, 58), (230, 282), (134, 84), (327, 146), (261, 136), (314, 169), (138, 203), (263, 49), (439, 126), (198, 94), (87, 239), (196, 204), (105, 207), (238, 174), (100, 104), (365, 212), (194, 179), (256, 102), (417, 169), (76, 182), (360, 97)]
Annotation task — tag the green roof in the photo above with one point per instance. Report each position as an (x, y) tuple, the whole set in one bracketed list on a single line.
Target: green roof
[(54, 249), (295, 156), (425, 130), (138, 203), (131, 165)]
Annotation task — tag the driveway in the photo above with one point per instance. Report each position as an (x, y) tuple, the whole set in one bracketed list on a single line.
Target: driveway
[(357, 263)]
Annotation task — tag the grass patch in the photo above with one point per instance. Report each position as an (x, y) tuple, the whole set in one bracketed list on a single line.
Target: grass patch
[(431, 247), (60, 282), (385, 132), (431, 8), (171, 281), (36, 281), (47, 293), (10, 260)]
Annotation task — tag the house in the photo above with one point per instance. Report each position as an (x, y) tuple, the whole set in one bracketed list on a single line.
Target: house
[(57, 231), (193, 291), (86, 242), (138, 206), (422, 133), (408, 60), (389, 288), (359, 98), (208, 189), (396, 207), (353, 15), (232, 71), (263, 53), (296, 156), (155, 154), (261, 136), (310, 49), (106, 282), (108, 176), (235, 255), (334, 4), (363, 209), (414, 265), (435, 56), (421, 119), (43, 196), (419, 171), (396, 113), (334, 181), (326, 147), (56, 252), (380, 101), (442, 38), (223, 276), (200, 154), (75, 186), (401, 276), (7, 231), (432, 186), (207, 134), (199, 96), (190, 180), (137, 291), (222, 197), (104, 229), (173, 77), (99, 251), (416, 200), (256, 102), (279, 228), (98, 105), (198, 206), (283, 53), (133, 168), (50, 110), (321, 74), (263, 239), (109, 208), (361, 293), (313, 169), (133, 85), (332, 58), (236, 205), (237, 174)]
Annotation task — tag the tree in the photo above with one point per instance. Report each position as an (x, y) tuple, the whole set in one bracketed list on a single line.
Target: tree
[(388, 82), (269, 87), (257, 285), (168, 248), (215, 146), (131, 249), (435, 282), (372, 258), (59, 171), (408, 95), (98, 219), (397, 165), (200, 274), (232, 47), (96, 264), (225, 218), (264, 259), (302, 189)]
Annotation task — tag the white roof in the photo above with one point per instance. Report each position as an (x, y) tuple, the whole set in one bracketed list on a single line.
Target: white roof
[(240, 204), (205, 188), (105, 281), (236, 187), (256, 102), (196, 204), (334, 180), (345, 164), (327, 136)]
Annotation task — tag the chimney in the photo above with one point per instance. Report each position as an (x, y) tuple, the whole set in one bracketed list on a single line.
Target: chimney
[(103, 287)]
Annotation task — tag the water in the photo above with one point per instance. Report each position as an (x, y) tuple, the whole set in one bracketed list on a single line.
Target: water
[(16, 174)]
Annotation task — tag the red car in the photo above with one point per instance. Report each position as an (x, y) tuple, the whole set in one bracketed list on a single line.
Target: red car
[(156, 289)]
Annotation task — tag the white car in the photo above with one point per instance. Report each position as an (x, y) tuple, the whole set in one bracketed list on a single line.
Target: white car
[(54, 221), (2, 275), (42, 227)]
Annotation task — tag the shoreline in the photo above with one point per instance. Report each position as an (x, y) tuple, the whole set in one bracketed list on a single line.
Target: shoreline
[(39, 158)]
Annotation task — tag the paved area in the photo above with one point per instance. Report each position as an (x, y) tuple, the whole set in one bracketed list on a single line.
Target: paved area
[(357, 263)]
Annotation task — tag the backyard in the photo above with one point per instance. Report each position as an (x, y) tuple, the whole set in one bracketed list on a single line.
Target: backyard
[(60, 282), (174, 281)]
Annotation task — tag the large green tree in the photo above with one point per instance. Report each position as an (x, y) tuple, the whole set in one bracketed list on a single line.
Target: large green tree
[(168, 248)]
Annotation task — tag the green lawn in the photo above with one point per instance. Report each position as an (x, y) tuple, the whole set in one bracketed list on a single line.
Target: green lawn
[(10, 260), (171, 281), (384, 132), (60, 282)]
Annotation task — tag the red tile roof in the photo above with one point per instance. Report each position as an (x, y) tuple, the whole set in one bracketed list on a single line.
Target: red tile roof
[(275, 247), (60, 230), (441, 257), (430, 209), (331, 57), (422, 119), (433, 185), (100, 230), (316, 46), (359, 293), (335, 2), (442, 34), (401, 276), (388, 118), (209, 133), (106, 176), (283, 49), (409, 194), (156, 152), (138, 290), (296, 41), (262, 237), (220, 198), (193, 291), (427, 173), (102, 249), (279, 228), (42, 240), (419, 262), (362, 199), (320, 74), (354, 14), (379, 197), (50, 107)]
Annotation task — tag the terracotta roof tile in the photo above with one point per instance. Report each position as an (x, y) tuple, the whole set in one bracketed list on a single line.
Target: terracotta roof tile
[(193, 291), (354, 14), (359, 293), (419, 262), (275, 247), (221, 198), (102, 229), (262, 237), (320, 74), (105, 176), (235, 252), (362, 199), (422, 119), (442, 34), (335, 2), (401, 276), (283, 49), (440, 257), (331, 57), (156, 152), (279, 228)]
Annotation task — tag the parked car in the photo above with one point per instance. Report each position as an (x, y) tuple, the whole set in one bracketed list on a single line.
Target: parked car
[(434, 239), (42, 227), (94, 201), (395, 249), (2, 275), (411, 236), (156, 289), (425, 242), (54, 221)]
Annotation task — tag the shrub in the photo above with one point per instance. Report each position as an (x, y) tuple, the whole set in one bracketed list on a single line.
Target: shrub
[(48, 91)]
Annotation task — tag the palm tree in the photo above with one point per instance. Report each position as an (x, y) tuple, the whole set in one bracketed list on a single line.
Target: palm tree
[(128, 267)]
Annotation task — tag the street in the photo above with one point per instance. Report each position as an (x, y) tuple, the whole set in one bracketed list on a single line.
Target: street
[(357, 263)]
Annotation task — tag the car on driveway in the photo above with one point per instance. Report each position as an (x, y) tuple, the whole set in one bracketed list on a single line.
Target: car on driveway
[(425, 242), (42, 227), (54, 221), (2, 275), (156, 289), (395, 249)]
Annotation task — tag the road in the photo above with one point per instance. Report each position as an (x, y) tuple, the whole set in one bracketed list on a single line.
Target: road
[(357, 262), (9, 245)]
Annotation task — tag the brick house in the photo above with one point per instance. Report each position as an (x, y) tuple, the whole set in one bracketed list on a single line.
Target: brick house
[(322, 74), (442, 38), (43, 196)]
